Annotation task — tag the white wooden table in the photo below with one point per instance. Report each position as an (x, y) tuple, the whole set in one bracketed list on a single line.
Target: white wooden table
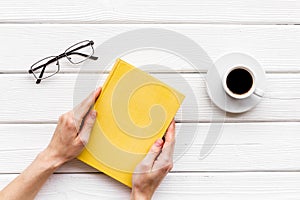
[(258, 154)]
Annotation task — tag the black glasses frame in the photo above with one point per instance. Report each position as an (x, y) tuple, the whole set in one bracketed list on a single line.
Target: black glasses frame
[(67, 53)]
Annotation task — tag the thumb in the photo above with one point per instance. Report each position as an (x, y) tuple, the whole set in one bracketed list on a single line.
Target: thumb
[(154, 151), (88, 124)]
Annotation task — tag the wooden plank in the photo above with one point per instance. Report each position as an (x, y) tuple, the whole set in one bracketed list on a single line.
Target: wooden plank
[(23, 101), (216, 186), (22, 45), (155, 11), (241, 147)]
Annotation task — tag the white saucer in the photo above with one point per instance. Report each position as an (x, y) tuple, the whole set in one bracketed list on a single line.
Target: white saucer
[(215, 88)]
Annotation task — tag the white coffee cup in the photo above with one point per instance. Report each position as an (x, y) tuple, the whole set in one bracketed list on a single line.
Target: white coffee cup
[(239, 82)]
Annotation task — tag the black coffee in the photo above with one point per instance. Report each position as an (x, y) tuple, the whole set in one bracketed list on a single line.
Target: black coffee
[(239, 81)]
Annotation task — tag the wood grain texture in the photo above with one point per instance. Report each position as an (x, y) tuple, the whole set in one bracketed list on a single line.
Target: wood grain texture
[(241, 147), (208, 186), (23, 101), (154, 11), (257, 154), (275, 47)]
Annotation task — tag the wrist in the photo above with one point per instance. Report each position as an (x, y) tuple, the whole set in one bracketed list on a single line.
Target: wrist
[(136, 195), (49, 160)]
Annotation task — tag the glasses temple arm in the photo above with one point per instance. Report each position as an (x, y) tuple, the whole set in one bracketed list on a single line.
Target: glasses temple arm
[(47, 63), (82, 54), (41, 75)]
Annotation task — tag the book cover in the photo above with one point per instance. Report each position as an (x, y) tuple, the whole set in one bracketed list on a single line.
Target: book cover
[(134, 110)]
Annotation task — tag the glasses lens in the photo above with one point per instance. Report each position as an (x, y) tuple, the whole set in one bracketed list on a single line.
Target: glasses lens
[(80, 52), (45, 68)]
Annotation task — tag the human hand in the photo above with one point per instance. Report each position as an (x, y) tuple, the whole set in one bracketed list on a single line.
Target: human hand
[(154, 167), (72, 132)]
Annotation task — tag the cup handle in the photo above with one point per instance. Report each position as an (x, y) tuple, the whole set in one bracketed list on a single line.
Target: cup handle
[(259, 92)]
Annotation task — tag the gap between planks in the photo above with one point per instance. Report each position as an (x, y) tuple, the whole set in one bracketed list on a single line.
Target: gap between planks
[(186, 172), (230, 121)]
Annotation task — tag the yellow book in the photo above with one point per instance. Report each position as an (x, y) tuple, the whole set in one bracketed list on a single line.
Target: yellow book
[(134, 109)]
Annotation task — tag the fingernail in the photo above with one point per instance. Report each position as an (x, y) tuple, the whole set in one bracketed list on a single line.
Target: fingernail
[(158, 142), (93, 114)]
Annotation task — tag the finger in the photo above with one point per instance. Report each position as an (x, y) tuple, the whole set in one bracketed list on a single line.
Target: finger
[(88, 124), (166, 156), (170, 133), (151, 156), (81, 109), (169, 144)]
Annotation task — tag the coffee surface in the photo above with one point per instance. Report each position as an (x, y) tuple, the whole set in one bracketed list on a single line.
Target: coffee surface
[(239, 81)]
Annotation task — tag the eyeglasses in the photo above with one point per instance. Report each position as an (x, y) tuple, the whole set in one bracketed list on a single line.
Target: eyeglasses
[(49, 66)]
